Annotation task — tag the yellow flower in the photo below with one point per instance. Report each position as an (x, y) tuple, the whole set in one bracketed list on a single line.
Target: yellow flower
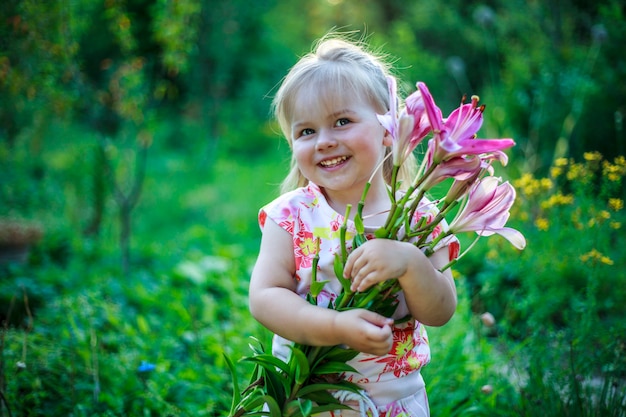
[(594, 256), (604, 215), (542, 223), (576, 172), (592, 156), (560, 162), (611, 172), (527, 185), (614, 172), (545, 184), (616, 204), (557, 200), (606, 260), (556, 171), (615, 225)]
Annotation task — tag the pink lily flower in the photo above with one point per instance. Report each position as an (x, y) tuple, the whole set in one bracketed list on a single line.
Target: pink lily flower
[(456, 135), (460, 168), (474, 169), (408, 128), (487, 211)]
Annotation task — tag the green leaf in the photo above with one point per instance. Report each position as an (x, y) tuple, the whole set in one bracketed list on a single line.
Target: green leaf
[(338, 267), (358, 224), (330, 407), (236, 392), (299, 365), (278, 386), (317, 287), (258, 347), (340, 354), (381, 233), (273, 406), (327, 386), (254, 400), (274, 373), (390, 193), (298, 408), (268, 362), (398, 222), (358, 240), (321, 397), (305, 407), (333, 368)]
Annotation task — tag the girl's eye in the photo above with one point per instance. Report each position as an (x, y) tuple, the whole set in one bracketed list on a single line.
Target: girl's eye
[(306, 132), (342, 122)]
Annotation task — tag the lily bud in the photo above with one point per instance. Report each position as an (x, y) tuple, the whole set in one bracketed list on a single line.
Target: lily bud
[(486, 389), (488, 319)]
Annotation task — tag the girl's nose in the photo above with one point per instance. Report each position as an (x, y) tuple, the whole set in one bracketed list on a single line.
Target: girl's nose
[(325, 140)]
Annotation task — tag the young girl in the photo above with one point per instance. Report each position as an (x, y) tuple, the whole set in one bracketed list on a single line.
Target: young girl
[(327, 107)]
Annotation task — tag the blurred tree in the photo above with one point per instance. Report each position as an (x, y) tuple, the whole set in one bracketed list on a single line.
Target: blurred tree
[(37, 64), (550, 69), (134, 66), (231, 62), (549, 73), (111, 64)]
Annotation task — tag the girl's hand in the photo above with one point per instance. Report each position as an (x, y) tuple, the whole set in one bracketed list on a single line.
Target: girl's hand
[(378, 260), (365, 331)]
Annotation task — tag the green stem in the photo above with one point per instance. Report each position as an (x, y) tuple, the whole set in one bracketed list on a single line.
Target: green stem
[(399, 209), (429, 250), (440, 216), (371, 294), (342, 234), (422, 178), (362, 201), (315, 262), (344, 299), (416, 202), (396, 211), (454, 261), (449, 264), (394, 182)]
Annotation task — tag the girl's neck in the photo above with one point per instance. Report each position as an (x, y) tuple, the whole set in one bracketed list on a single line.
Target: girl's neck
[(376, 206)]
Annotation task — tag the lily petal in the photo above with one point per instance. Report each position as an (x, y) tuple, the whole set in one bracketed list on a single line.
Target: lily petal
[(487, 211), (516, 238)]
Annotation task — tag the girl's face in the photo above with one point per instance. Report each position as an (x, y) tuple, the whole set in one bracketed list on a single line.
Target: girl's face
[(337, 142)]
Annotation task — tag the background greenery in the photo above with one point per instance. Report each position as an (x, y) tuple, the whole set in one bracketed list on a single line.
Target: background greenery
[(136, 148)]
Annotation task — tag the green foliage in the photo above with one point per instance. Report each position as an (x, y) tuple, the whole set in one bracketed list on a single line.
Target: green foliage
[(299, 387), (83, 353), (579, 199), (557, 301)]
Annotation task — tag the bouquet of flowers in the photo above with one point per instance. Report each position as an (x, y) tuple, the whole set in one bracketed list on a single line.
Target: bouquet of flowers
[(476, 201)]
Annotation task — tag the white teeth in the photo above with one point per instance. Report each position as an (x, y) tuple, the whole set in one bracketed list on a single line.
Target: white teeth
[(334, 161)]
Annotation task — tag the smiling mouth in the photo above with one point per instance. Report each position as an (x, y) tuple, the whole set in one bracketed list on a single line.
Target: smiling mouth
[(329, 163)]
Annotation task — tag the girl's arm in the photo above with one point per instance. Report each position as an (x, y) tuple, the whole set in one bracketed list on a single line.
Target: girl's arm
[(430, 295), (276, 305)]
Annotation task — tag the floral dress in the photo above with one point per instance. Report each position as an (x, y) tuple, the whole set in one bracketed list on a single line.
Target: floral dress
[(392, 381)]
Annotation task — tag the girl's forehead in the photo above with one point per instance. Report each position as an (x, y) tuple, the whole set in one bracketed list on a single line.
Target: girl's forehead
[(325, 99)]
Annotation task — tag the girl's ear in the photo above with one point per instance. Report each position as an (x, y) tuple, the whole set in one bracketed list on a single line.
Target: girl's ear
[(387, 139)]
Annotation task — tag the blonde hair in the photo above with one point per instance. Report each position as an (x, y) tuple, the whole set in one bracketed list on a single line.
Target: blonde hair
[(340, 65)]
